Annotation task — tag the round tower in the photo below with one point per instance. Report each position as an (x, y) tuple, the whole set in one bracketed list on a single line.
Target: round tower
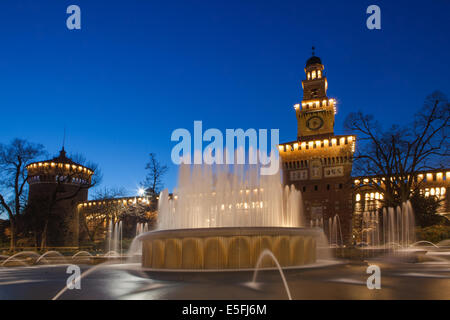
[(56, 186)]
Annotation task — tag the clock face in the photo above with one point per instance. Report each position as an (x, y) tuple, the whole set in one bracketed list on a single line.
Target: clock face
[(314, 123)]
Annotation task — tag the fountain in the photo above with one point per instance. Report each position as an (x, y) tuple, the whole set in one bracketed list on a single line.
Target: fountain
[(389, 228), (224, 219), (335, 232), (371, 228), (398, 225), (114, 239)]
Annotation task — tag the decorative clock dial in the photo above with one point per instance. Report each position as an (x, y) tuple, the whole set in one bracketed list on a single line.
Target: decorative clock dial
[(314, 123)]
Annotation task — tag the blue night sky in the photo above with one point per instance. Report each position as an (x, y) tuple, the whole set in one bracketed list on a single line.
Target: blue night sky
[(137, 70)]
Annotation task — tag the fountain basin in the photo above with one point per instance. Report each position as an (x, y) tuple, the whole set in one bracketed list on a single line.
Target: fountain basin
[(228, 248)]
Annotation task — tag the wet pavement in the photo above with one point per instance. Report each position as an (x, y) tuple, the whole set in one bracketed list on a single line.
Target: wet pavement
[(346, 280)]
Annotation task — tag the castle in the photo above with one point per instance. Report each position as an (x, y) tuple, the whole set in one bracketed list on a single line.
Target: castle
[(318, 163)]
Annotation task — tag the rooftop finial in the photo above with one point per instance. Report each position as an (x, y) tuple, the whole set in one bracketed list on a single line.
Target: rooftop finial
[(313, 48)]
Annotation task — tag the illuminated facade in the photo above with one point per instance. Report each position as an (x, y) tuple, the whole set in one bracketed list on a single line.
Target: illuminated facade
[(319, 163), (433, 183), (97, 215)]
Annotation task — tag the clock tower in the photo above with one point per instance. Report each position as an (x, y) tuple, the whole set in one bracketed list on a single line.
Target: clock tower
[(315, 115), (318, 162)]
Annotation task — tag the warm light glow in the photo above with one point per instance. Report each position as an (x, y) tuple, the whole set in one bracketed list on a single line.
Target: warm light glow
[(141, 191), (295, 146), (439, 176), (429, 176), (358, 197), (281, 148), (296, 106), (333, 141)]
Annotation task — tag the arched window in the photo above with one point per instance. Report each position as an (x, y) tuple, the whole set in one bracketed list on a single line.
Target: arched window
[(319, 74), (309, 76), (314, 74)]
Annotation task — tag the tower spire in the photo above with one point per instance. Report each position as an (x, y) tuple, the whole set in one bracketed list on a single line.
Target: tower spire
[(64, 139)]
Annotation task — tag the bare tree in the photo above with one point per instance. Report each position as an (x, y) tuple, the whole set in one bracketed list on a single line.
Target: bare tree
[(102, 213), (14, 158), (156, 171), (109, 193), (394, 158)]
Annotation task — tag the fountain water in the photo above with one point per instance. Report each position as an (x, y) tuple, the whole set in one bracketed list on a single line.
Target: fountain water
[(335, 231), (49, 254), (114, 239), (223, 218), (371, 228), (136, 245), (82, 254), (268, 253), (14, 258), (208, 199), (399, 225)]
